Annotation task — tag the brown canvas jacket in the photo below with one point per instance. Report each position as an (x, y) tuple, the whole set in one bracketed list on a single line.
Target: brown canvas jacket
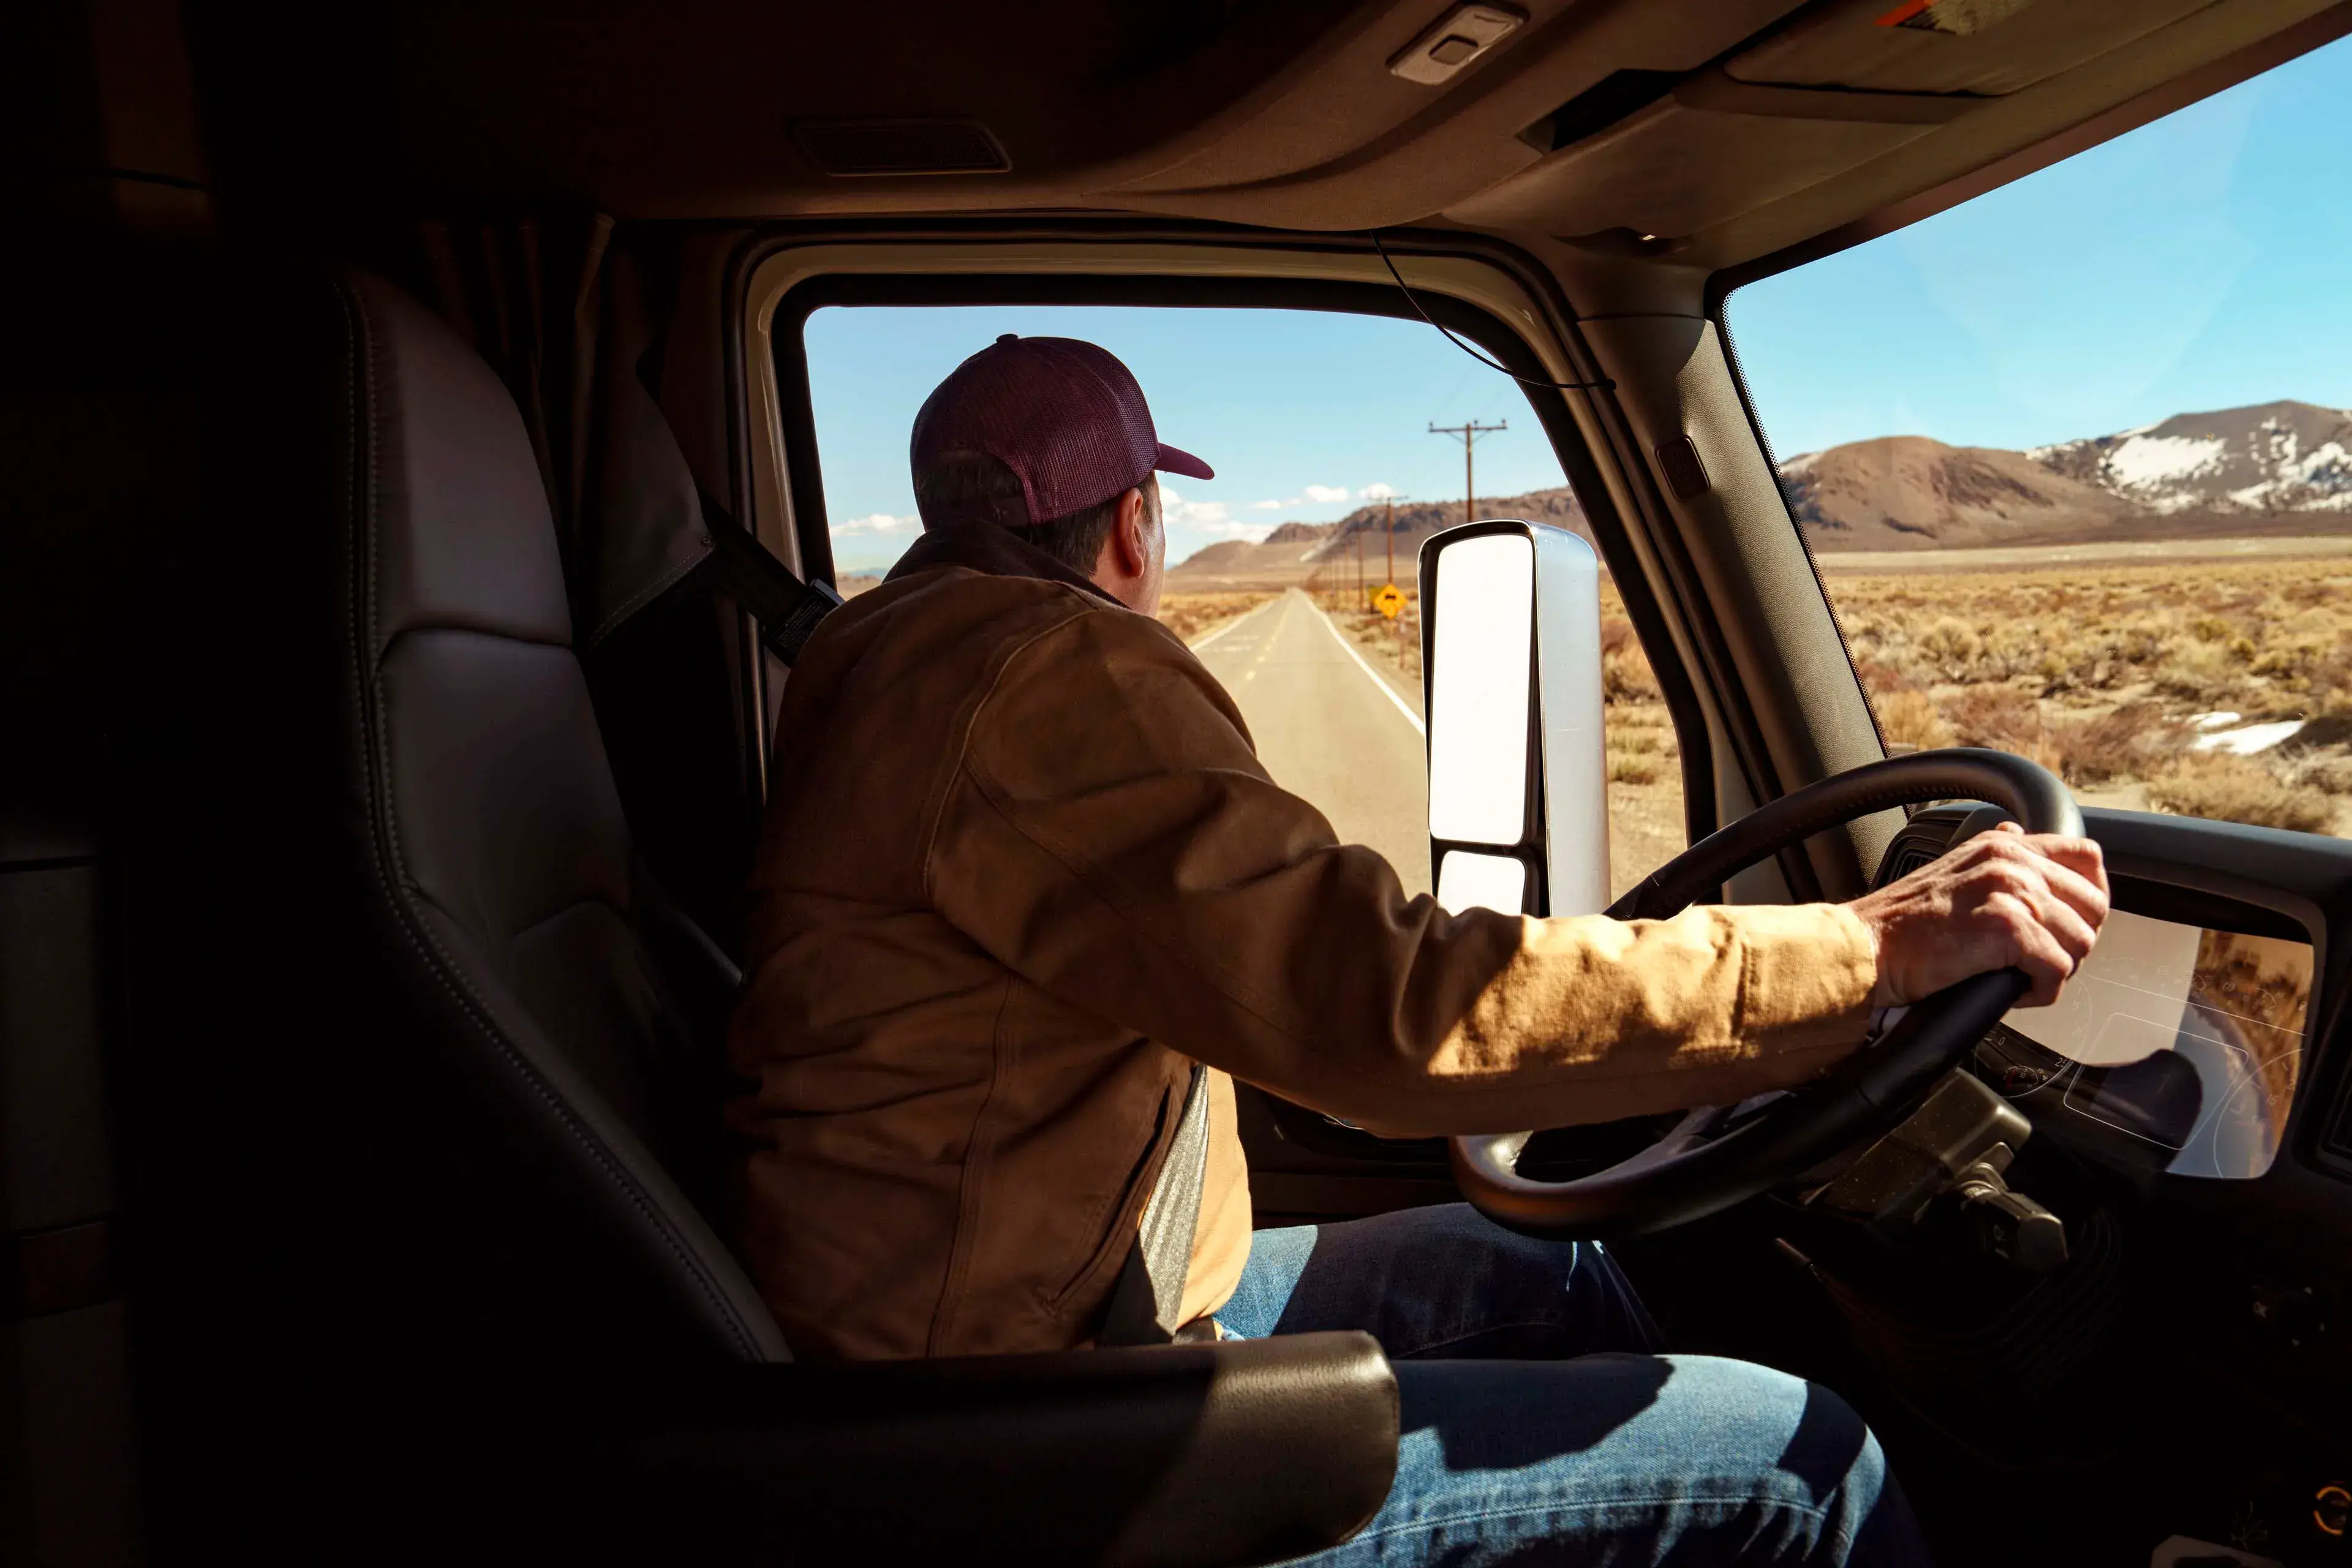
[(1021, 867)]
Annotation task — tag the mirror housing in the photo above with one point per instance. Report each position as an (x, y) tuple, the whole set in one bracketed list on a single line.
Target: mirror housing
[(1518, 770)]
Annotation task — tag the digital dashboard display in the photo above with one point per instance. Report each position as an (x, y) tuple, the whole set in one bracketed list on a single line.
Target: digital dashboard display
[(2187, 1038)]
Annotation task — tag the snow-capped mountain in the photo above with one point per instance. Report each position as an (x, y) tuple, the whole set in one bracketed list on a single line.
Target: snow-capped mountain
[(2272, 468), (2272, 457)]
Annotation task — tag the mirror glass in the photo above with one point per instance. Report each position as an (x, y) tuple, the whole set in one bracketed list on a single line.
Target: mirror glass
[(1467, 881), (2187, 1038), (1484, 621)]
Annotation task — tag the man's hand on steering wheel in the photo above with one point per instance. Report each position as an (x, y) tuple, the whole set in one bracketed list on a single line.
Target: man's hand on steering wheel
[(2006, 899), (2000, 920)]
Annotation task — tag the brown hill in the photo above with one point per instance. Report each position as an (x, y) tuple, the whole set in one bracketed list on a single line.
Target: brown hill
[(2271, 468), (1908, 492), (1281, 559)]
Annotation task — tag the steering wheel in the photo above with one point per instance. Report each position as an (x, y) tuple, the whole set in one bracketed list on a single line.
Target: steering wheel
[(1713, 1160)]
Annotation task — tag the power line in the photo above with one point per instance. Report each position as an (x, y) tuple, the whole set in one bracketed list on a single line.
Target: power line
[(1467, 432), (1603, 384)]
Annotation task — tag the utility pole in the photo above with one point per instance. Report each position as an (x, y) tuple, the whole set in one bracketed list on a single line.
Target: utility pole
[(1390, 536), (1467, 432)]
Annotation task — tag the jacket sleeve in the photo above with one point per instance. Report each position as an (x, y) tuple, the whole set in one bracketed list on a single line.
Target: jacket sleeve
[(1110, 836)]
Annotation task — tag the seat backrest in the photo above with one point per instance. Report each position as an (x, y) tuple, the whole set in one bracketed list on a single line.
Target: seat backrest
[(493, 845)]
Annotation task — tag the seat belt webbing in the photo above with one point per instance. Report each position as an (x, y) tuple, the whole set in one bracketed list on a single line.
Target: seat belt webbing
[(787, 609)]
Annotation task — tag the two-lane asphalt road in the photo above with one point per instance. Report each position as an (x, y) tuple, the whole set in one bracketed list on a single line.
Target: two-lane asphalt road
[(1330, 729)]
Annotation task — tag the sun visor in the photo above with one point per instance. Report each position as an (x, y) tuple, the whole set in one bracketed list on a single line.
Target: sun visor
[(1676, 168)]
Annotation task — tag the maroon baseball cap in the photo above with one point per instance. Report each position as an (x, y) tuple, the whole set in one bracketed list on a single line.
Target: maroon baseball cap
[(1065, 416)]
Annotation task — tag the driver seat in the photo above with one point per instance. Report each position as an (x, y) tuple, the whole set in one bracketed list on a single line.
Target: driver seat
[(526, 1035), (497, 860)]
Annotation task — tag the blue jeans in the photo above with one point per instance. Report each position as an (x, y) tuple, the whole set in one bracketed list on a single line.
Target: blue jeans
[(1584, 1446)]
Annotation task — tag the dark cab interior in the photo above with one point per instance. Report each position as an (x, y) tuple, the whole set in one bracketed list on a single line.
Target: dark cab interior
[(386, 696)]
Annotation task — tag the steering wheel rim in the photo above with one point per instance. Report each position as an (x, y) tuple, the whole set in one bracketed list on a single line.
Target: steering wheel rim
[(1687, 1175)]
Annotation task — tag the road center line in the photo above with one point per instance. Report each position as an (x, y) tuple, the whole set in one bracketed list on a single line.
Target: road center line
[(1370, 673), (1229, 626)]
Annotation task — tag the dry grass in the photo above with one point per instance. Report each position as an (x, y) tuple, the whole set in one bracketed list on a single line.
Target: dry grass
[(2270, 639), (2101, 673), (2239, 789), (1193, 616), (1396, 643), (1646, 769)]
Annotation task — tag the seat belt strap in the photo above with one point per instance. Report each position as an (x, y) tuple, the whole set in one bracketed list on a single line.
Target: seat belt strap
[(1146, 1302), (787, 609)]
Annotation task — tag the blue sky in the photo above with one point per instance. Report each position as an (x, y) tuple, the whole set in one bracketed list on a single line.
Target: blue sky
[(2201, 262), (1305, 409)]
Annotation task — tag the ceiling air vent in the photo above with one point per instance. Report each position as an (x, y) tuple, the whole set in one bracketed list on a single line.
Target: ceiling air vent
[(851, 148)]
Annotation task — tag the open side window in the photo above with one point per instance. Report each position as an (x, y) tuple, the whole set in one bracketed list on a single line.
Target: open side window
[(1323, 404)]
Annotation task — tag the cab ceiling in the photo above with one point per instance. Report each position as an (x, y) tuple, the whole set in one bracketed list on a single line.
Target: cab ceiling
[(1711, 132)]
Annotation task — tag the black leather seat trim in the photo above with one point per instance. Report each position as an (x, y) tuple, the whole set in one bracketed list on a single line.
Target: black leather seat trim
[(608, 1158), (1178, 1457), (421, 628)]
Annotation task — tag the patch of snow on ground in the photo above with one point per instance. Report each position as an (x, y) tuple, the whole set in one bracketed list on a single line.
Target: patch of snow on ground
[(2145, 461), (2214, 721), (2253, 738), (2330, 461)]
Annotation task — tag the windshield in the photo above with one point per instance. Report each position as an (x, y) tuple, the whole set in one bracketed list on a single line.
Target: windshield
[(2075, 462)]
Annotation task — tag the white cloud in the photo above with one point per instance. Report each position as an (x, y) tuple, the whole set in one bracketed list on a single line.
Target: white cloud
[(1185, 513), (879, 522), (1324, 493), (1268, 505), (1210, 516), (1377, 492)]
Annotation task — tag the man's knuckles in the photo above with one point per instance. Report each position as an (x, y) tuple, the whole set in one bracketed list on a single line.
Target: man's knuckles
[(2008, 876)]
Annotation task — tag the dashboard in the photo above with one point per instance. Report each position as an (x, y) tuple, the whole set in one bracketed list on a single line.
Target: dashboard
[(2184, 1046)]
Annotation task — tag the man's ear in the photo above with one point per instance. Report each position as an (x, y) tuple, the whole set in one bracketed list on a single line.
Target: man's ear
[(1132, 536)]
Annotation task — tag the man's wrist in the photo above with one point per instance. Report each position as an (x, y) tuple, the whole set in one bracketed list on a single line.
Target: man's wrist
[(1882, 989)]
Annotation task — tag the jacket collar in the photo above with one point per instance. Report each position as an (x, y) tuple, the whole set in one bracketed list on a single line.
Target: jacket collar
[(985, 547)]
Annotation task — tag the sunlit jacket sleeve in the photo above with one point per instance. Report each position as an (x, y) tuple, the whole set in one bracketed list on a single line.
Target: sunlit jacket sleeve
[(1107, 834)]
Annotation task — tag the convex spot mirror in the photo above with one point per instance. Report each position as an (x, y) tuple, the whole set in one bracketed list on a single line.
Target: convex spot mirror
[(1518, 772)]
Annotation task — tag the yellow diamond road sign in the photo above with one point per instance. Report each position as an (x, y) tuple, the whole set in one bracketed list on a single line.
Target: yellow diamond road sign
[(1389, 601)]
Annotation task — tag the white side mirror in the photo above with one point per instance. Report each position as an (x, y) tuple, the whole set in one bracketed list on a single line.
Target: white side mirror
[(1519, 772)]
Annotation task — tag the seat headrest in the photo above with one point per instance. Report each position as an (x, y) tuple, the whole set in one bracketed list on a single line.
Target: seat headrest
[(447, 443)]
